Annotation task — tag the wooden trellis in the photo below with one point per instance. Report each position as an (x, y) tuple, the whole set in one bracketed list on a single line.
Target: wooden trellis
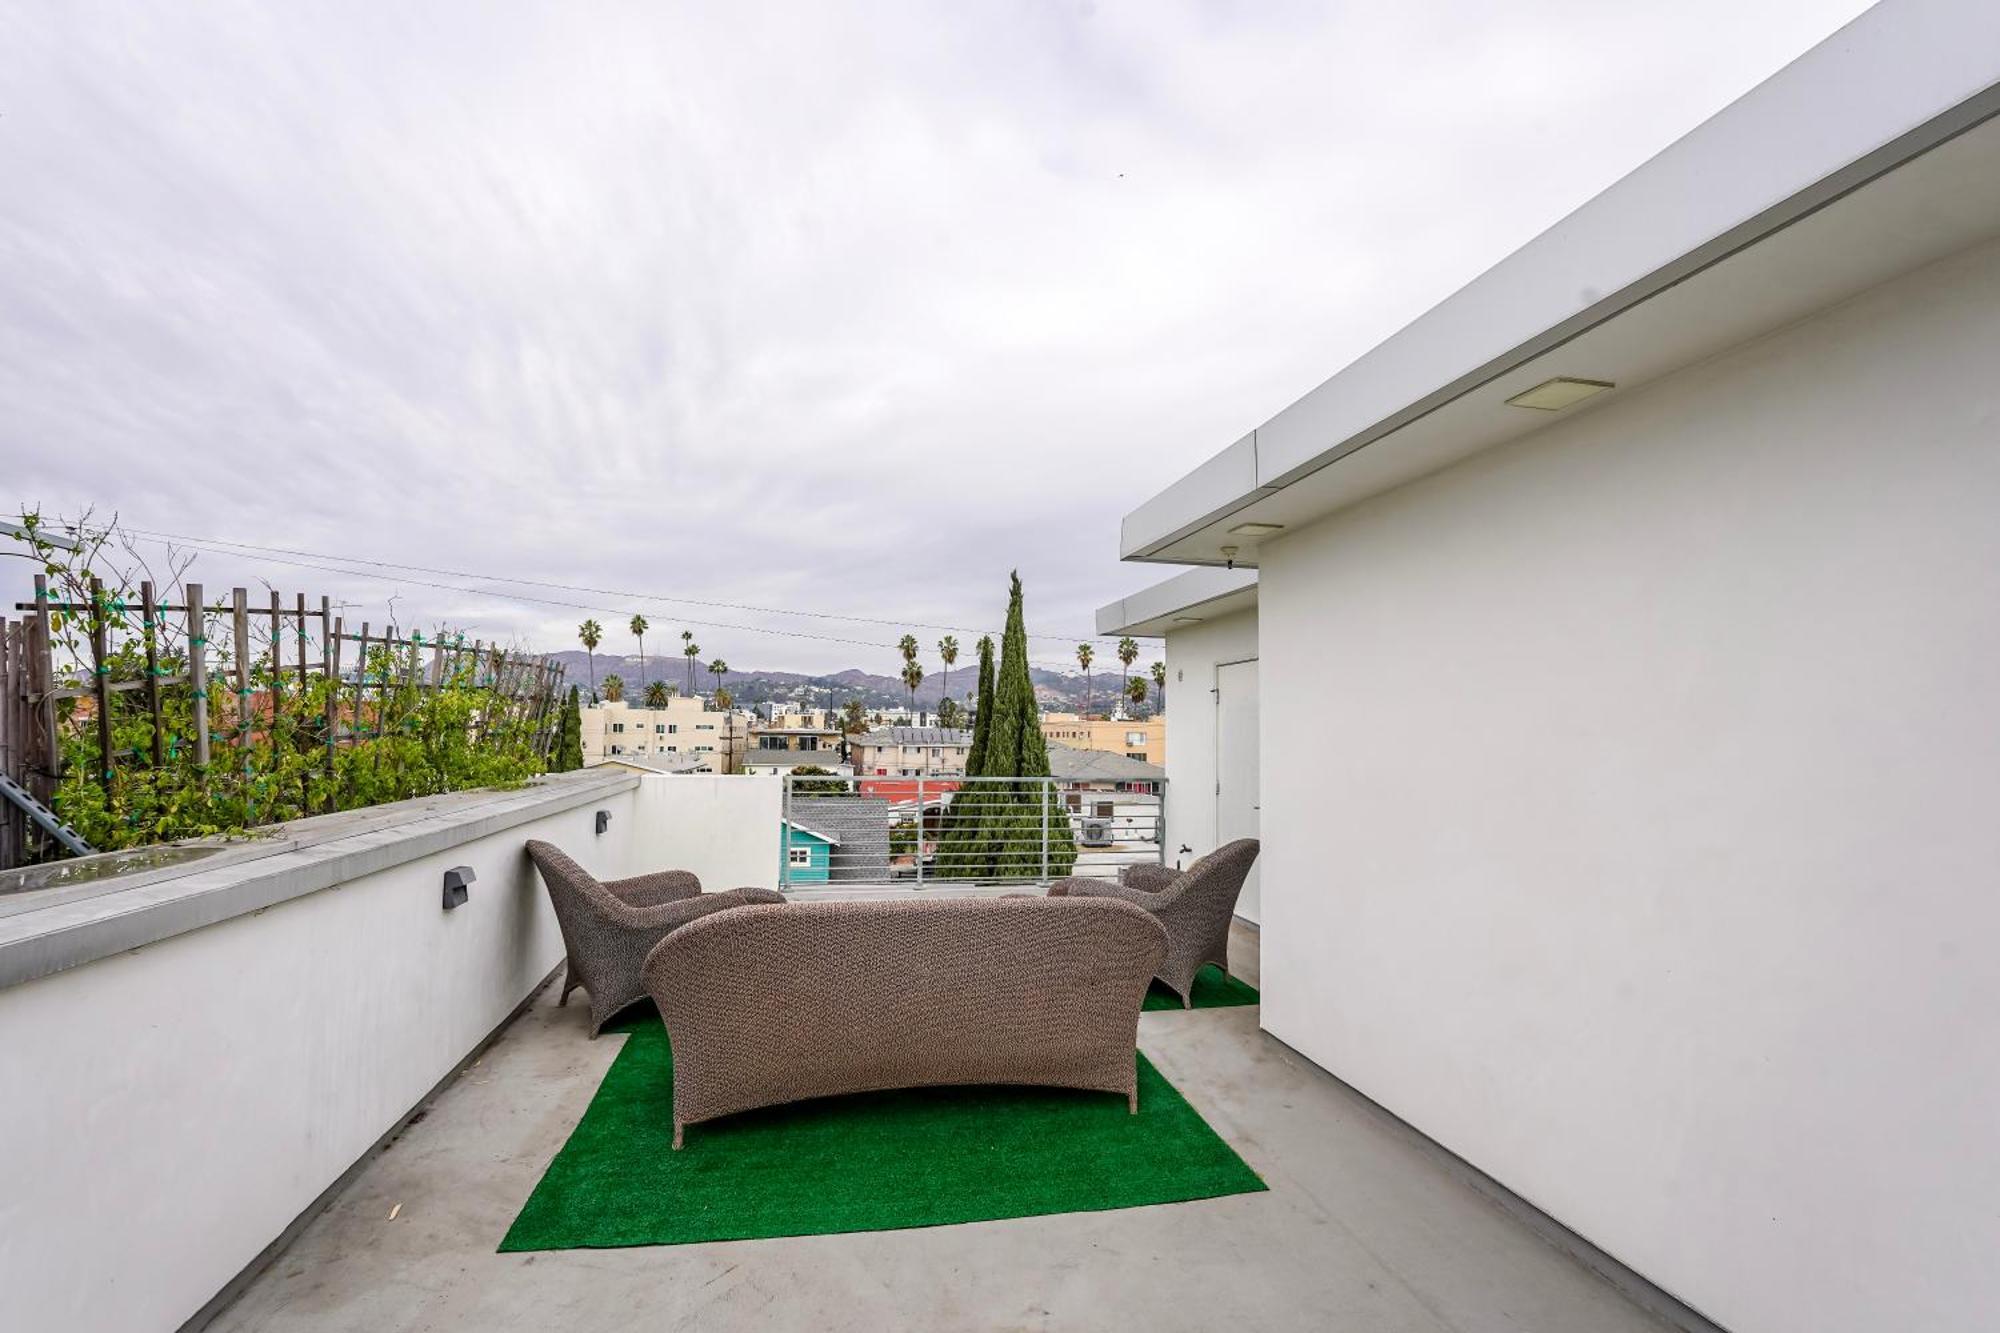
[(303, 644)]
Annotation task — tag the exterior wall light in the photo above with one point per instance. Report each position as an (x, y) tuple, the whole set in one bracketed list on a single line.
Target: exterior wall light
[(1187, 620), (1256, 529), (1556, 394), (603, 820), (456, 881)]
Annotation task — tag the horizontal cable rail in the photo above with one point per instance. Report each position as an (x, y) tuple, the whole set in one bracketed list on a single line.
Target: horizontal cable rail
[(942, 831)]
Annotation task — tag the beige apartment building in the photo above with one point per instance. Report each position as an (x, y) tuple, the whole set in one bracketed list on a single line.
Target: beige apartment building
[(814, 729), (686, 726), (1145, 741)]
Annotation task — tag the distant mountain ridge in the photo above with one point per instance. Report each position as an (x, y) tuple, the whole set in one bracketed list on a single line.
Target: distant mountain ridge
[(752, 686)]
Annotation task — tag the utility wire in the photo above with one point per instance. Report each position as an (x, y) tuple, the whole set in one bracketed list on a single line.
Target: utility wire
[(218, 547), (208, 543)]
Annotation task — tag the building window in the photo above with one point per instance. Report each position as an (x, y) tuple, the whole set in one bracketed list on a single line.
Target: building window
[(1104, 809), (659, 728), (704, 726), (802, 856), (618, 726), (1074, 802), (1140, 755), (1135, 738), (618, 749), (673, 727)]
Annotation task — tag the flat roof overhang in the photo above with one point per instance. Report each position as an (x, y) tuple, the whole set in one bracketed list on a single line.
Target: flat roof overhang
[(1871, 155), (1197, 595)]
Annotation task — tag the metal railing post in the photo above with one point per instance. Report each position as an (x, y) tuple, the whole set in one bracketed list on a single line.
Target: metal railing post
[(920, 831), (1048, 788), (785, 840)]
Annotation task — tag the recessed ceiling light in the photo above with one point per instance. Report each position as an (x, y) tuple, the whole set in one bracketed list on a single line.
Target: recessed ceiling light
[(1187, 620), (1556, 394), (1256, 529)]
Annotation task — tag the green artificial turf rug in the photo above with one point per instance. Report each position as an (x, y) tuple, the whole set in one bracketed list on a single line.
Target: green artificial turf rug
[(871, 1162), (1213, 989)]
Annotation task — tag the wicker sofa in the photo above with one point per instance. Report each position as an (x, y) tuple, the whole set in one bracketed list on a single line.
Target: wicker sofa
[(768, 1005), (1195, 905), (609, 928)]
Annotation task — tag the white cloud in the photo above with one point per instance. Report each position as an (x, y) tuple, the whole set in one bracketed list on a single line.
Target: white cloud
[(846, 309)]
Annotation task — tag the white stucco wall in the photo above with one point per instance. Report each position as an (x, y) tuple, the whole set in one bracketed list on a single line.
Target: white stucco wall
[(1193, 652), (167, 1111), (1654, 870), (723, 828)]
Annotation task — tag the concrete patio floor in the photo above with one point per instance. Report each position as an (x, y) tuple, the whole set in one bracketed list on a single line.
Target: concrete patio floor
[(1364, 1228)]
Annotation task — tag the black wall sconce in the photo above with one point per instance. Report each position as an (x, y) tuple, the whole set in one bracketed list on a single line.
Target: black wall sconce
[(603, 820), (455, 881)]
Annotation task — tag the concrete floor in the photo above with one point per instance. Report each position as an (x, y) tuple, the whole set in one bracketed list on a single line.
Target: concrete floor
[(1363, 1229)]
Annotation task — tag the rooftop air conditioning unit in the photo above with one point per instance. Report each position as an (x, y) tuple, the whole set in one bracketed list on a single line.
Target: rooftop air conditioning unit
[(1096, 832)]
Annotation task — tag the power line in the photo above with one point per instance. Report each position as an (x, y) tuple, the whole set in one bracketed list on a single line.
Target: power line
[(295, 559), (208, 543)]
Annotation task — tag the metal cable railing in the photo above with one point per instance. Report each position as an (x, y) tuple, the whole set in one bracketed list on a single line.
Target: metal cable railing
[(940, 830)]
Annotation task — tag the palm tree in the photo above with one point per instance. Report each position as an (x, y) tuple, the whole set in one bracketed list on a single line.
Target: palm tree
[(1084, 655), (639, 628), (690, 650), (718, 669), (614, 688), (1135, 690), (913, 676), (1128, 653), (948, 654), (1160, 683), (592, 634), (657, 694)]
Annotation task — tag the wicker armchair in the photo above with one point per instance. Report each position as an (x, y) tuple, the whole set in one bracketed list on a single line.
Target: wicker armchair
[(608, 932), (780, 1004), (1195, 905)]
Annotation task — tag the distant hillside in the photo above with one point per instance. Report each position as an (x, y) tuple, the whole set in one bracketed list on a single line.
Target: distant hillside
[(1053, 689)]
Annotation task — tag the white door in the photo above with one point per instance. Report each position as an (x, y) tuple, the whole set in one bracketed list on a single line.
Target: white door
[(1236, 766)]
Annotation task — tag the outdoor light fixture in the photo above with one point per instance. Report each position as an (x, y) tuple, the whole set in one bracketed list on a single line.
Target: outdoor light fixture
[(1187, 620), (603, 820), (1556, 394), (1256, 529), (455, 881)]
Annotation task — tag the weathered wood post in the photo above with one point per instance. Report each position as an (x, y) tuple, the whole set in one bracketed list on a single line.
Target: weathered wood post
[(197, 618), (100, 673), (150, 612)]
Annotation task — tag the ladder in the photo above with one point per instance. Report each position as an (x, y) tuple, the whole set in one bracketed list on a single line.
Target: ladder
[(44, 817)]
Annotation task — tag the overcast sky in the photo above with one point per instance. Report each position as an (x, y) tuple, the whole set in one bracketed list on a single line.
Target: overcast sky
[(838, 308)]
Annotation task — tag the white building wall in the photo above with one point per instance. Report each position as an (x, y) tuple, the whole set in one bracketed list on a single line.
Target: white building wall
[(1193, 653), (1653, 867)]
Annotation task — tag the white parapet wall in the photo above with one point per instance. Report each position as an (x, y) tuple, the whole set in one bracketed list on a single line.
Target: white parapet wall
[(168, 1110)]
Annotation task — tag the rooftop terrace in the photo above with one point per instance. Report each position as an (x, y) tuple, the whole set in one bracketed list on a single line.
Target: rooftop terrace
[(1365, 1226)]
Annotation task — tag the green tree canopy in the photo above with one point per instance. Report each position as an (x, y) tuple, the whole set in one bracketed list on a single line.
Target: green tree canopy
[(1008, 829)]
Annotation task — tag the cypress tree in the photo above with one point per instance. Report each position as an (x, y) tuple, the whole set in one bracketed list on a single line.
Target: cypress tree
[(982, 721), (958, 856), (1005, 838), (569, 740)]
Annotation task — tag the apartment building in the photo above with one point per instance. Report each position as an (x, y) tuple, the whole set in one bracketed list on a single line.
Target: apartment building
[(686, 726), (1145, 741), (793, 729), (911, 752)]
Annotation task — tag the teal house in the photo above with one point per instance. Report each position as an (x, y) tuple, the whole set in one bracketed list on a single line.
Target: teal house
[(808, 855)]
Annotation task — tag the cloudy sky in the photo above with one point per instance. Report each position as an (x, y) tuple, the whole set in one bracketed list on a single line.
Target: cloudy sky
[(842, 309)]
